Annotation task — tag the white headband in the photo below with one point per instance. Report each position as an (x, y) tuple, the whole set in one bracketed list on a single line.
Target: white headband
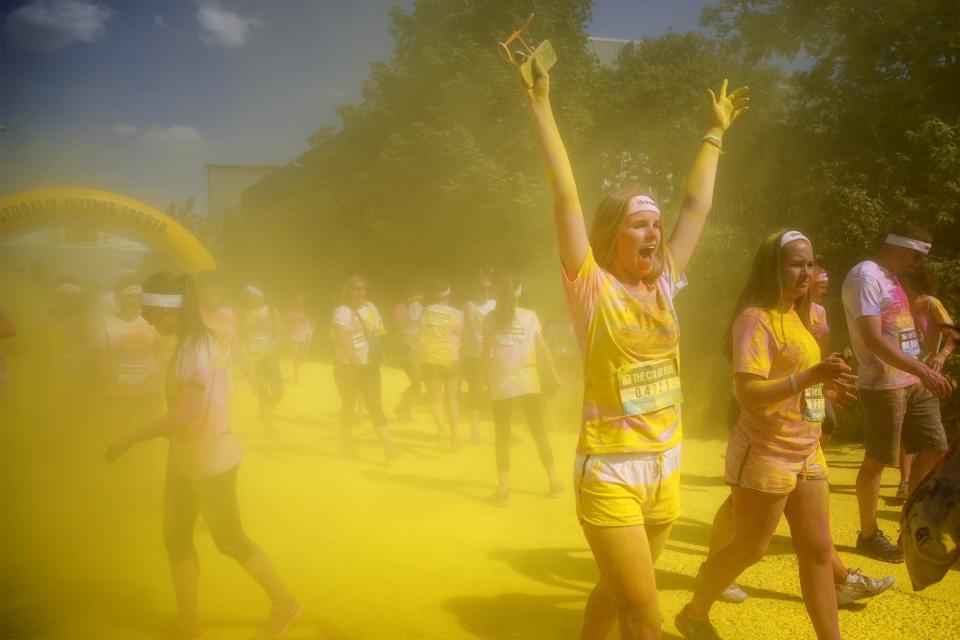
[(131, 290), (792, 236), (642, 203), (68, 287), (909, 243), (518, 291), (162, 300), (254, 291)]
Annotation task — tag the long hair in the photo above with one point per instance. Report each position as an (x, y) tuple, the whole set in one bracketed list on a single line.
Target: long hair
[(191, 326), (506, 309), (764, 288), (607, 221)]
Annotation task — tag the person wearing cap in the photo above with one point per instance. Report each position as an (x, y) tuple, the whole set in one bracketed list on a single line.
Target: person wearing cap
[(476, 309), (937, 342), (260, 337), (438, 350), (621, 278), (774, 464), (512, 342), (203, 459), (358, 331), (899, 392)]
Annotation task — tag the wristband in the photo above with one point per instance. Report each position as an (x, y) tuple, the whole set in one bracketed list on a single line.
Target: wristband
[(713, 140)]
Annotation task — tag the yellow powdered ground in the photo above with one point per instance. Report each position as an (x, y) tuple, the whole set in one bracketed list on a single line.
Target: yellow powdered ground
[(408, 550)]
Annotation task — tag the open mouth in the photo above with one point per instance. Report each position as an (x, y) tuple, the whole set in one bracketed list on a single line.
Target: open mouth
[(647, 252)]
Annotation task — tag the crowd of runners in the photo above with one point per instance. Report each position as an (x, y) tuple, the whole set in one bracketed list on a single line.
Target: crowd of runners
[(165, 349)]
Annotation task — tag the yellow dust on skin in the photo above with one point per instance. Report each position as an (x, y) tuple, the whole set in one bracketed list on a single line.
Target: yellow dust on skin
[(405, 551)]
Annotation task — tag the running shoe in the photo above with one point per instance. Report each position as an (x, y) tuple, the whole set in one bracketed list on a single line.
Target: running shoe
[(695, 629), (734, 594), (879, 547), (281, 620), (858, 586), (500, 498)]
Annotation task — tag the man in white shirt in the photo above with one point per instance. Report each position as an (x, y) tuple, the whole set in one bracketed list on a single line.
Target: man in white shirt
[(900, 394)]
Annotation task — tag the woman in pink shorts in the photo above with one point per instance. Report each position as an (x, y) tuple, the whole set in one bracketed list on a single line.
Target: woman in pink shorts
[(774, 462)]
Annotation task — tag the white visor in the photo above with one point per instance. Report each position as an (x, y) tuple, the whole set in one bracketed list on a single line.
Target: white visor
[(68, 288), (821, 277), (162, 300), (642, 203), (444, 293), (254, 291), (909, 243), (518, 291), (792, 236)]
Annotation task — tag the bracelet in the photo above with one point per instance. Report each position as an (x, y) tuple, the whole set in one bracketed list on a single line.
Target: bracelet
[(713, 140), (793, 384)]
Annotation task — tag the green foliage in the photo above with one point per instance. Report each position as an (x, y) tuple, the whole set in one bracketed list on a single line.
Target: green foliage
[(854, 123)]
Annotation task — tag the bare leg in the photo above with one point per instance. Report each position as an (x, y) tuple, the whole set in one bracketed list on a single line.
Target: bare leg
[(451, 391), (435, 394), (868, 492), (807, 511), (261, 569), (923, 463), (186, 575), (755, 517), (627, 585), (906, 463)]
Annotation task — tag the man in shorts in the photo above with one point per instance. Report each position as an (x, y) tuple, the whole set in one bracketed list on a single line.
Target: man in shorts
[(900, 394)]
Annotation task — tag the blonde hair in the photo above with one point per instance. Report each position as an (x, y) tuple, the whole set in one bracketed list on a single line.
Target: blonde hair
[(607, 222)]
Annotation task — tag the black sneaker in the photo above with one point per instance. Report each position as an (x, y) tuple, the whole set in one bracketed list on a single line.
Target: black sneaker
[(695, 629), (879, 547)]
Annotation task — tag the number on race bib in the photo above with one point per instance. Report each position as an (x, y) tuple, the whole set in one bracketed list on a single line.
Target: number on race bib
[(814, 406), (649, 386)]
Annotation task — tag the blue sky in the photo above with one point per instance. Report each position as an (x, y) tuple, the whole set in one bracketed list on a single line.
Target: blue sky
[(137, 96)]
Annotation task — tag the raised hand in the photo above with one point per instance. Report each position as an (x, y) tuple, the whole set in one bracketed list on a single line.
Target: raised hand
[(540, 91), (726, 108)]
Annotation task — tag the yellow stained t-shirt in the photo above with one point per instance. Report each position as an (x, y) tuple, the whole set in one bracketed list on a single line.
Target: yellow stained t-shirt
[(772, 344), (631, 353)]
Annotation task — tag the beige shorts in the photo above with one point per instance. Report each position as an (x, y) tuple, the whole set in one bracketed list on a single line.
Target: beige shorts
[(756, 467)]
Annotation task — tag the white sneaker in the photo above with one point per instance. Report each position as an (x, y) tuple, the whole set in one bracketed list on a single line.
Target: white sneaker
[(280, 621), (733, 593), (858, 586)]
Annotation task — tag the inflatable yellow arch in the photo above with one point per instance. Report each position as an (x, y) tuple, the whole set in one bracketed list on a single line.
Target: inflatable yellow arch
[(44, 208)]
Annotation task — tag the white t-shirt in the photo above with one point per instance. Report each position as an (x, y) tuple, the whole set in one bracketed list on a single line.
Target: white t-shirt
[(473, 317), (131, 349), (205, 447), (513, 355), (357, 348), (871, 290)]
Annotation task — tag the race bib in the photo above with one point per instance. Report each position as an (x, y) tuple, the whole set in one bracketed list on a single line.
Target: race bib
[(360, 343), (649, 386), (132, 374), (909, 342), (512, 337), (814, 407), (434, 319)]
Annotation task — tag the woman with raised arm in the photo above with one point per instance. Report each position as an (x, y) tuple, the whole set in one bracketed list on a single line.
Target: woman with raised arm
[(620, 279)]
